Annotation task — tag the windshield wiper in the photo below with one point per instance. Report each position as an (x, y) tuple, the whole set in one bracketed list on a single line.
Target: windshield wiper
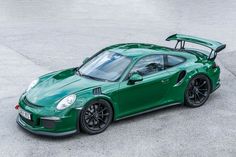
[(93, 78)]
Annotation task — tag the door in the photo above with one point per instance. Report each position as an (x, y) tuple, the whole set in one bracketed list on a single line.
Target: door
[(148, 93)]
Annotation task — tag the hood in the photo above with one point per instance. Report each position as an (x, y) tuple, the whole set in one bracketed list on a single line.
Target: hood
[(53, 89)]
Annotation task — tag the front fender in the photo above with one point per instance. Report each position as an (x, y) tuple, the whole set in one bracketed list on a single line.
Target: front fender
[(82, 101)]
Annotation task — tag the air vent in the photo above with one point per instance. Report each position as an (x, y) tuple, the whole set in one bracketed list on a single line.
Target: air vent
[(181, 76), (97, 91)]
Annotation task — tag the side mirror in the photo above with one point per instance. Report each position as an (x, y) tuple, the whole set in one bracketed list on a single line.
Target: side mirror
[(86, 60), (135, 78)]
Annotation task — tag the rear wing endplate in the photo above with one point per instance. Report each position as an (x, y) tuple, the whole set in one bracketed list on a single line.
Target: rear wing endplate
[(215, 46)]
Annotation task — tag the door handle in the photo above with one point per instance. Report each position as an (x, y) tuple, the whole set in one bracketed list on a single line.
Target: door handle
[(165, 81)]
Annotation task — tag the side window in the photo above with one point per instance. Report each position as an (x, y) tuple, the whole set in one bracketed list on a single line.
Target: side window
[(149, 65), (173, 61)]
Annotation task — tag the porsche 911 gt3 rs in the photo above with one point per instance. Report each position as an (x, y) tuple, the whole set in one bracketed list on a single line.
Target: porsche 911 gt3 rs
[(120, 81)]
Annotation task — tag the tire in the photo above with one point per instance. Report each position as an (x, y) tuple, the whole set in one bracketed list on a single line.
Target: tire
[(96, 117), (197, 91)]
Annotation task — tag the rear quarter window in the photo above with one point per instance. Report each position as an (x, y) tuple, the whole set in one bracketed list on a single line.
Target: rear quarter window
[(174, 60)]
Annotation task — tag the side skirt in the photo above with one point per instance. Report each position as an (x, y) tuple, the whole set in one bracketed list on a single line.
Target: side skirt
[(149, 110)]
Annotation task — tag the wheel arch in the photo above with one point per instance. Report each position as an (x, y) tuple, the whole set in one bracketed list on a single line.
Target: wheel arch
[(107, 99), (198, 72)]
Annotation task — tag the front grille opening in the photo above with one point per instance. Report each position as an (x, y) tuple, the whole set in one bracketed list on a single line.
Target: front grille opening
[(27, 121), (33, 122), (49, 124)]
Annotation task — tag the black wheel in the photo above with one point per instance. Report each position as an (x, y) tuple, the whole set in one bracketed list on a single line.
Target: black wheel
[(96, 117), (198, 91)]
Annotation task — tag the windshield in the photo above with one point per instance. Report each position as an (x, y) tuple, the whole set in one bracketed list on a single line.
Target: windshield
[(105, 66)]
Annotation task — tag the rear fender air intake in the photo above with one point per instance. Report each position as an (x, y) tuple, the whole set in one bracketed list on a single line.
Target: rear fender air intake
[(181, 76)]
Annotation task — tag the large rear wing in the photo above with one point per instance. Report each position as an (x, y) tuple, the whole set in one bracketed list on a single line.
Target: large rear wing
[(215, 46)]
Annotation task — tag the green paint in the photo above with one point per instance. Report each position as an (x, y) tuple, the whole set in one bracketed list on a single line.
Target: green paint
[(128, 95)]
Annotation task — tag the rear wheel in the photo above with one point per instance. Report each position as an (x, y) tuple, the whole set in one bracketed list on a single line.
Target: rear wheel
[(96, 117), (198, 91)]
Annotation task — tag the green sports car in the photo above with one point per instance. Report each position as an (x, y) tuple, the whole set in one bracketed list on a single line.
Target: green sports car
[(120, 81)]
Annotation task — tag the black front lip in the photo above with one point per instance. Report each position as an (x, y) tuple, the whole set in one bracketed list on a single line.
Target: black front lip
[(23, 125)]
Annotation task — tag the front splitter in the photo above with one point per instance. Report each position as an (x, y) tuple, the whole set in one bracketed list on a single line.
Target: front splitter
[(21, 123)]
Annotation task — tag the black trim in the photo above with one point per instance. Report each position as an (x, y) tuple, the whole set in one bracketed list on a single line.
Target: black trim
[(182, 74), (220, 48), (44, 133)]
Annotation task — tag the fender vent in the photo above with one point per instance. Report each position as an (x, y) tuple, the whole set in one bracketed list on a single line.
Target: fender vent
[(97, 91), (181, 76)]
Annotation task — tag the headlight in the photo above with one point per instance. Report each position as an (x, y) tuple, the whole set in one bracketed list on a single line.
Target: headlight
[(66, 102), (32, 84)]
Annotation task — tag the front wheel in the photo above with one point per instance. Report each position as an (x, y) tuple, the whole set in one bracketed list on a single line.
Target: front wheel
[(96, 117), (198, 91)]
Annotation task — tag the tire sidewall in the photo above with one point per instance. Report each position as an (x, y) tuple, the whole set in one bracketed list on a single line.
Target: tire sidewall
[(82, 120), (189, 104)]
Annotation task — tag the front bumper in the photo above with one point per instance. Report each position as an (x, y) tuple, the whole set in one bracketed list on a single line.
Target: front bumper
[(37, 131), (48, 121), (217, 86)]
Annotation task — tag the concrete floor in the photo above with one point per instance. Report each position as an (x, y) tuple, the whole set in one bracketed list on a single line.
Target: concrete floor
[(37, 37)]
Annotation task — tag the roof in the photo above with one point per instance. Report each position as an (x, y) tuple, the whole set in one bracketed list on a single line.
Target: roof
[(137, 50)]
